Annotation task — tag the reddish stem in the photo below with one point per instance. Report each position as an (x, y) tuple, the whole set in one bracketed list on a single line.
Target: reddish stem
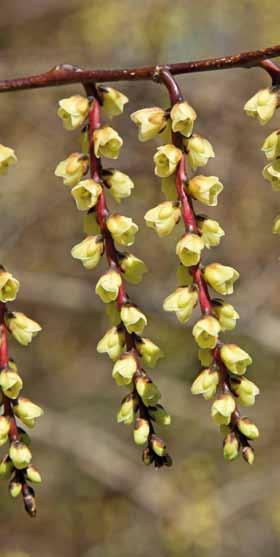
[(66, 74)]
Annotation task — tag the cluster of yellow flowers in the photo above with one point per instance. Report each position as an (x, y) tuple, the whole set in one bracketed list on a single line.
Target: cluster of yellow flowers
[(16, 465), (263, 106), (223, 364), (123, 342)]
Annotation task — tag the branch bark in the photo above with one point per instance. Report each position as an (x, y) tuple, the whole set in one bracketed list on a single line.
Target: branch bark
[(66, 74)]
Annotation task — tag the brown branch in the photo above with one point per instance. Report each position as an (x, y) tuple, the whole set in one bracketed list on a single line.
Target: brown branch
[(67, 74)]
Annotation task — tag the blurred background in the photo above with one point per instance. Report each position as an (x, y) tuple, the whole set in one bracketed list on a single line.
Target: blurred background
[(97, 499)]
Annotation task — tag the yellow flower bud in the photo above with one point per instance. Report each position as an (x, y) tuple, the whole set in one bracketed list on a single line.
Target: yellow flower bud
[(206, 383), (220, 277), (84, 141), (182, 301), (226, 314), (33, 474), (183, 117), (9, 287), (4, 429), (86, 194), (248, 454), (150, 122), (20, 454), (271, 173), (205, 189), (166, 160), (184, 276), (158, 445), (133, 319), (199, 151), (123, 229), (149, 351), (133, 268), (113, 101), (245, 390), (205, 357), (89, 251), (11, 383), (271, 146), (27, 411), (107, 287), (73, 111), (22, 328), (147, 390), (231, 446), (189, 249), (90, 224), (15, 488), (126, 413), (113, 312), (124, 369), (141, 431), (262, 105), (222, 409), (235, 359), (276, 225), (119, 184), (112, 343), (211, 232), (7, 158), (72, 169), (168, 188), (159, 415), (206, 332), (163, 218), (107, 143), (148, 456), (6, 468), (248, 428)]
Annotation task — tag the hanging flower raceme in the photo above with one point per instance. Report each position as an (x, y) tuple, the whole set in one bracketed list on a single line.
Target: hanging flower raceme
[(223, 364), (123, 342), (16, 465), (263, 106)]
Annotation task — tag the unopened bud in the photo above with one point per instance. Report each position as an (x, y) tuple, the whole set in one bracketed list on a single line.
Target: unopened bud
[(15, 488), (158, 445), (248, 454), (231, 446), (147, 390), (141, 431), (149, 351), (20, 454), (33, 474), (248, 428)]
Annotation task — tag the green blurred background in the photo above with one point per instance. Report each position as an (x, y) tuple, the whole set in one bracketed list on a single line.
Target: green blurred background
[(97, 499)]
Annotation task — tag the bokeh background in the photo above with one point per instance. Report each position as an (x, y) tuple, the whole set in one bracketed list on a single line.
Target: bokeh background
[(97, 499)]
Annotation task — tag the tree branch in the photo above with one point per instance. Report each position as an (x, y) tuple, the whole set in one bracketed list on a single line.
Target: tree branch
[(67, 74)]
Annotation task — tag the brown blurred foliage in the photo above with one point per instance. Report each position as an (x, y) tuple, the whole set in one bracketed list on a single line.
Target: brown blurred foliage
[(97, 499)]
